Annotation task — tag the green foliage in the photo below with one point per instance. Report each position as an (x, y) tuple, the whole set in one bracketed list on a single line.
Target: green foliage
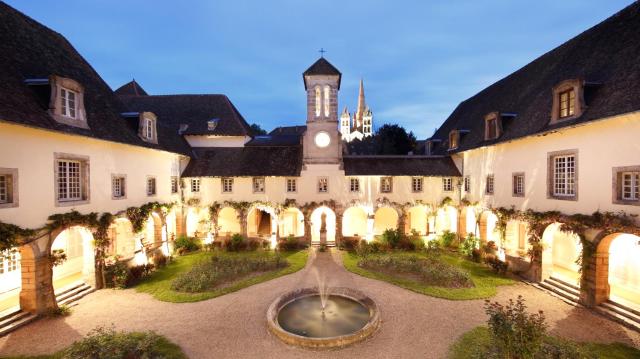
[(515, 332), (10, 234), (139, 215), (388, 140), (61, 311), (57, 257), (349, 243), (290, 243), (108, 344), (498, 266), (470, 243), (219, 269), (236, 243), (391, 238), (447, 238), (184, 244), (116, 274), (257, 130)]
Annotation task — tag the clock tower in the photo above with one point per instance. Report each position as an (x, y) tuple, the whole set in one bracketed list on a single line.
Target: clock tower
[(322, 143)]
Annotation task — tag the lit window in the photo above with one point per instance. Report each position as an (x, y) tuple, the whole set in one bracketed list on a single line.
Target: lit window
[(467, 184), (327, 96), (195, 185), (491, 128), (567, 103), (148, 128), (227, 185), (453, 140), (258, 185), (489, 188), (323, 185), (630, 186), (68, 99), (9, 261), (518, 184), (564, 175), (354, 185), (416, 184), (318, 101), (69, 184), (447, 184), (118, 186), (291, 185), (174, 184), (151, 186), (386, 184)]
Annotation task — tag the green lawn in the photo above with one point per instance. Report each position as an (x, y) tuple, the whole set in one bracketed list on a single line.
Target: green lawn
[(159, 283), (484, 279), (475, 344)]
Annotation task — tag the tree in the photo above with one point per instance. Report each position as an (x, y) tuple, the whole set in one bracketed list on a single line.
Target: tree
[(388, 140), (257, 130)]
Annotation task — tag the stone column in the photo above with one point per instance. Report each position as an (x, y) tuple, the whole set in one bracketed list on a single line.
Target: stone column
[(594, 286), (36, 295), (402, 219), (181, 224), (339, 216)]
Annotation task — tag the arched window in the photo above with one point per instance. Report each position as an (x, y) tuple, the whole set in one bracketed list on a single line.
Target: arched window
[(327, 91), (318, 104)]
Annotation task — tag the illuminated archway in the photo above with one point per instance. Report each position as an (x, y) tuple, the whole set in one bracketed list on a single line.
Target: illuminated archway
[(77, 244), (417, 220), (10, 278), (623, 270), (291, 223), (197, 222), (316, 224), (560, 254), (515, 237), (261, 222), (383, 219), (123, 240), (228, 222), (487, 228), (354, 222)]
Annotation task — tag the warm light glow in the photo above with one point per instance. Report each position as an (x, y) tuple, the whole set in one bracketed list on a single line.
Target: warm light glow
[(624, 268), (322, 139)]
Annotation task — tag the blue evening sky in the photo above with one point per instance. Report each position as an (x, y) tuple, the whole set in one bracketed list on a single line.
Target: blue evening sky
[(419, 59)]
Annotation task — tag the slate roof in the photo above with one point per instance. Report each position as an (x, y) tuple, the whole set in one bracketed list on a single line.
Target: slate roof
[(275, 140), (321, 67), (131, 88), (606, 54), (289, 130), (32, 51), (194, 111), (437, 166), (245, 161)]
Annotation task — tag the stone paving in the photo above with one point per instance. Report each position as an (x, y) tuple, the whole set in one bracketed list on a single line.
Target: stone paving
[(234, 325)]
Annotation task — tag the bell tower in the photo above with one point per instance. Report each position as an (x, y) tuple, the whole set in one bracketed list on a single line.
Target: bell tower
[(321, 143)]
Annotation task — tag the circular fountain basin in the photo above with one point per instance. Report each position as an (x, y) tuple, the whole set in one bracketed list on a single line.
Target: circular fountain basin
[(298, 317)]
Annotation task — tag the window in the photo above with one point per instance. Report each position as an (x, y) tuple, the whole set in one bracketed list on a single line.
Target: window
[(489, 188), (9, 261), (564, 175), (68, 99), (8, 187), (318, 101), (630, 185), (454, 136), (467, 184), (4, 188), (323, 184), (69, 184), (118, 186), (567, 101), (151, 186), (258, 185), (354, 185), (291, 185), (518, 184), (386, 184), (626, 185), (174, 184), (227, 185), (195, 185), (416, 184), (447, 184), (148, 129), (327, 96), (492, 126), (212, 124)]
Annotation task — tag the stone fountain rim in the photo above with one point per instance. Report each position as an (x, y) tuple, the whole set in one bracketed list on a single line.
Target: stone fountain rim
[(329, 342)]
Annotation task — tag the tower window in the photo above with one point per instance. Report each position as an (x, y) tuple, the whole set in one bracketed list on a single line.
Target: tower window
[(318, 101), (467, 184), (327, 102), (174, 184), (490, 185)]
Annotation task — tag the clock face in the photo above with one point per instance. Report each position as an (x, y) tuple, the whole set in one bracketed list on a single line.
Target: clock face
[(322, 139)]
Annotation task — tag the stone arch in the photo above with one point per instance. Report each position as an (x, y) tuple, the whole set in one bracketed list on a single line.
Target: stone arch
[(617, 269), (418, 219), (36, 293), (153, 231), (197, 222), (355, 222), (487, 227), (385, 217), (515, 237), (467, 222), (123, 240), (171, 222), (228, 222), (560, 253), (316, 229), (291, 222), (262, 221), (77, 244)]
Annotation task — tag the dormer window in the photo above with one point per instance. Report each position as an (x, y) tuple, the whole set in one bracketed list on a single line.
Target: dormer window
[(454, 138), (212, 124), (148, 129), (68, 102), (492, 126), (568, 100)]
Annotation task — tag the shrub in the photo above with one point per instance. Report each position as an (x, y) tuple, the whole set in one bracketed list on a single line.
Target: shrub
[(469, 244), (108, 344), (290, 243), (433, 247), (136, 273), (160, 260), (391, 238), (447, 238), (477, 255), (364, 249), (61, 311), (220, 269), (498, 266), (516, 333), (349, 243), (236, 243), (186, 244), (116, 274)]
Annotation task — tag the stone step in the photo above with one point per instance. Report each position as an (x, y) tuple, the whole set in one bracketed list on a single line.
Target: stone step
[(619, 314), (566, 287), (568, 296), (71, 298), (7, 313), (12, 318), (329, 244), (565, 283), (69, 288), (635, 311), (21, 319)]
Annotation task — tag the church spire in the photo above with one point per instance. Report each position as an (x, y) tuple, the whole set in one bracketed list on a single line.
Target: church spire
[(361, 103)]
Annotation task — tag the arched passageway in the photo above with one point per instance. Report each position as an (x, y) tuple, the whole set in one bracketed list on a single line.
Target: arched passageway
[(261, 222), (622, 270), (487, 228), (123, 240), (77, 244), (560, 255), (197, 222), (228, 222), (354, 222), (10, 278), (323, 224), (291, 223), (417, 220), (383, 219)]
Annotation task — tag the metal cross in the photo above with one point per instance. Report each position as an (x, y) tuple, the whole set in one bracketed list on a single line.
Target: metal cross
[(322, 51)]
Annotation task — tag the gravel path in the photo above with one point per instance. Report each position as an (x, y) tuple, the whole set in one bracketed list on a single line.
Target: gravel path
[(234, 325)]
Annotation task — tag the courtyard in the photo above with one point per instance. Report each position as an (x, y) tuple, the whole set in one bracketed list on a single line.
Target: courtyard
[(234, 325)]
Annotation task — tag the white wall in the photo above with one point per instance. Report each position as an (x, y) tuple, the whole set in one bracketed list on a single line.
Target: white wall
[(601, 146), (31, 151)]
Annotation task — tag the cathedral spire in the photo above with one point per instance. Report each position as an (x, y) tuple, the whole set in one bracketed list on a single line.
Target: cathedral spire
[(361, 104)]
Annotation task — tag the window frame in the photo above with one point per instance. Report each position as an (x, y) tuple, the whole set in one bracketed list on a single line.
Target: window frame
[(195, 185), (467, 184), (568, 104), (490, 185), (454, 139), (123, 186), (291, 185), (447, 182), (552, 175), (618, 185), (226, 184), (566, 87), (256, 180), (65, 108), (517, 189), (492, 122), (11, 187), (420, 182), (83, 179), (356, 188), (174, 184), (382, 184), (323, 184), (151, 186)]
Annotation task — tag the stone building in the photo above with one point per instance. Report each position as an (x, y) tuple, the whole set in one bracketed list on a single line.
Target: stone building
[(361, 125), (560, 134)]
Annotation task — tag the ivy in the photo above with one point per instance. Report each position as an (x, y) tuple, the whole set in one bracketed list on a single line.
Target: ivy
[(138, 215), (11, 235)]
